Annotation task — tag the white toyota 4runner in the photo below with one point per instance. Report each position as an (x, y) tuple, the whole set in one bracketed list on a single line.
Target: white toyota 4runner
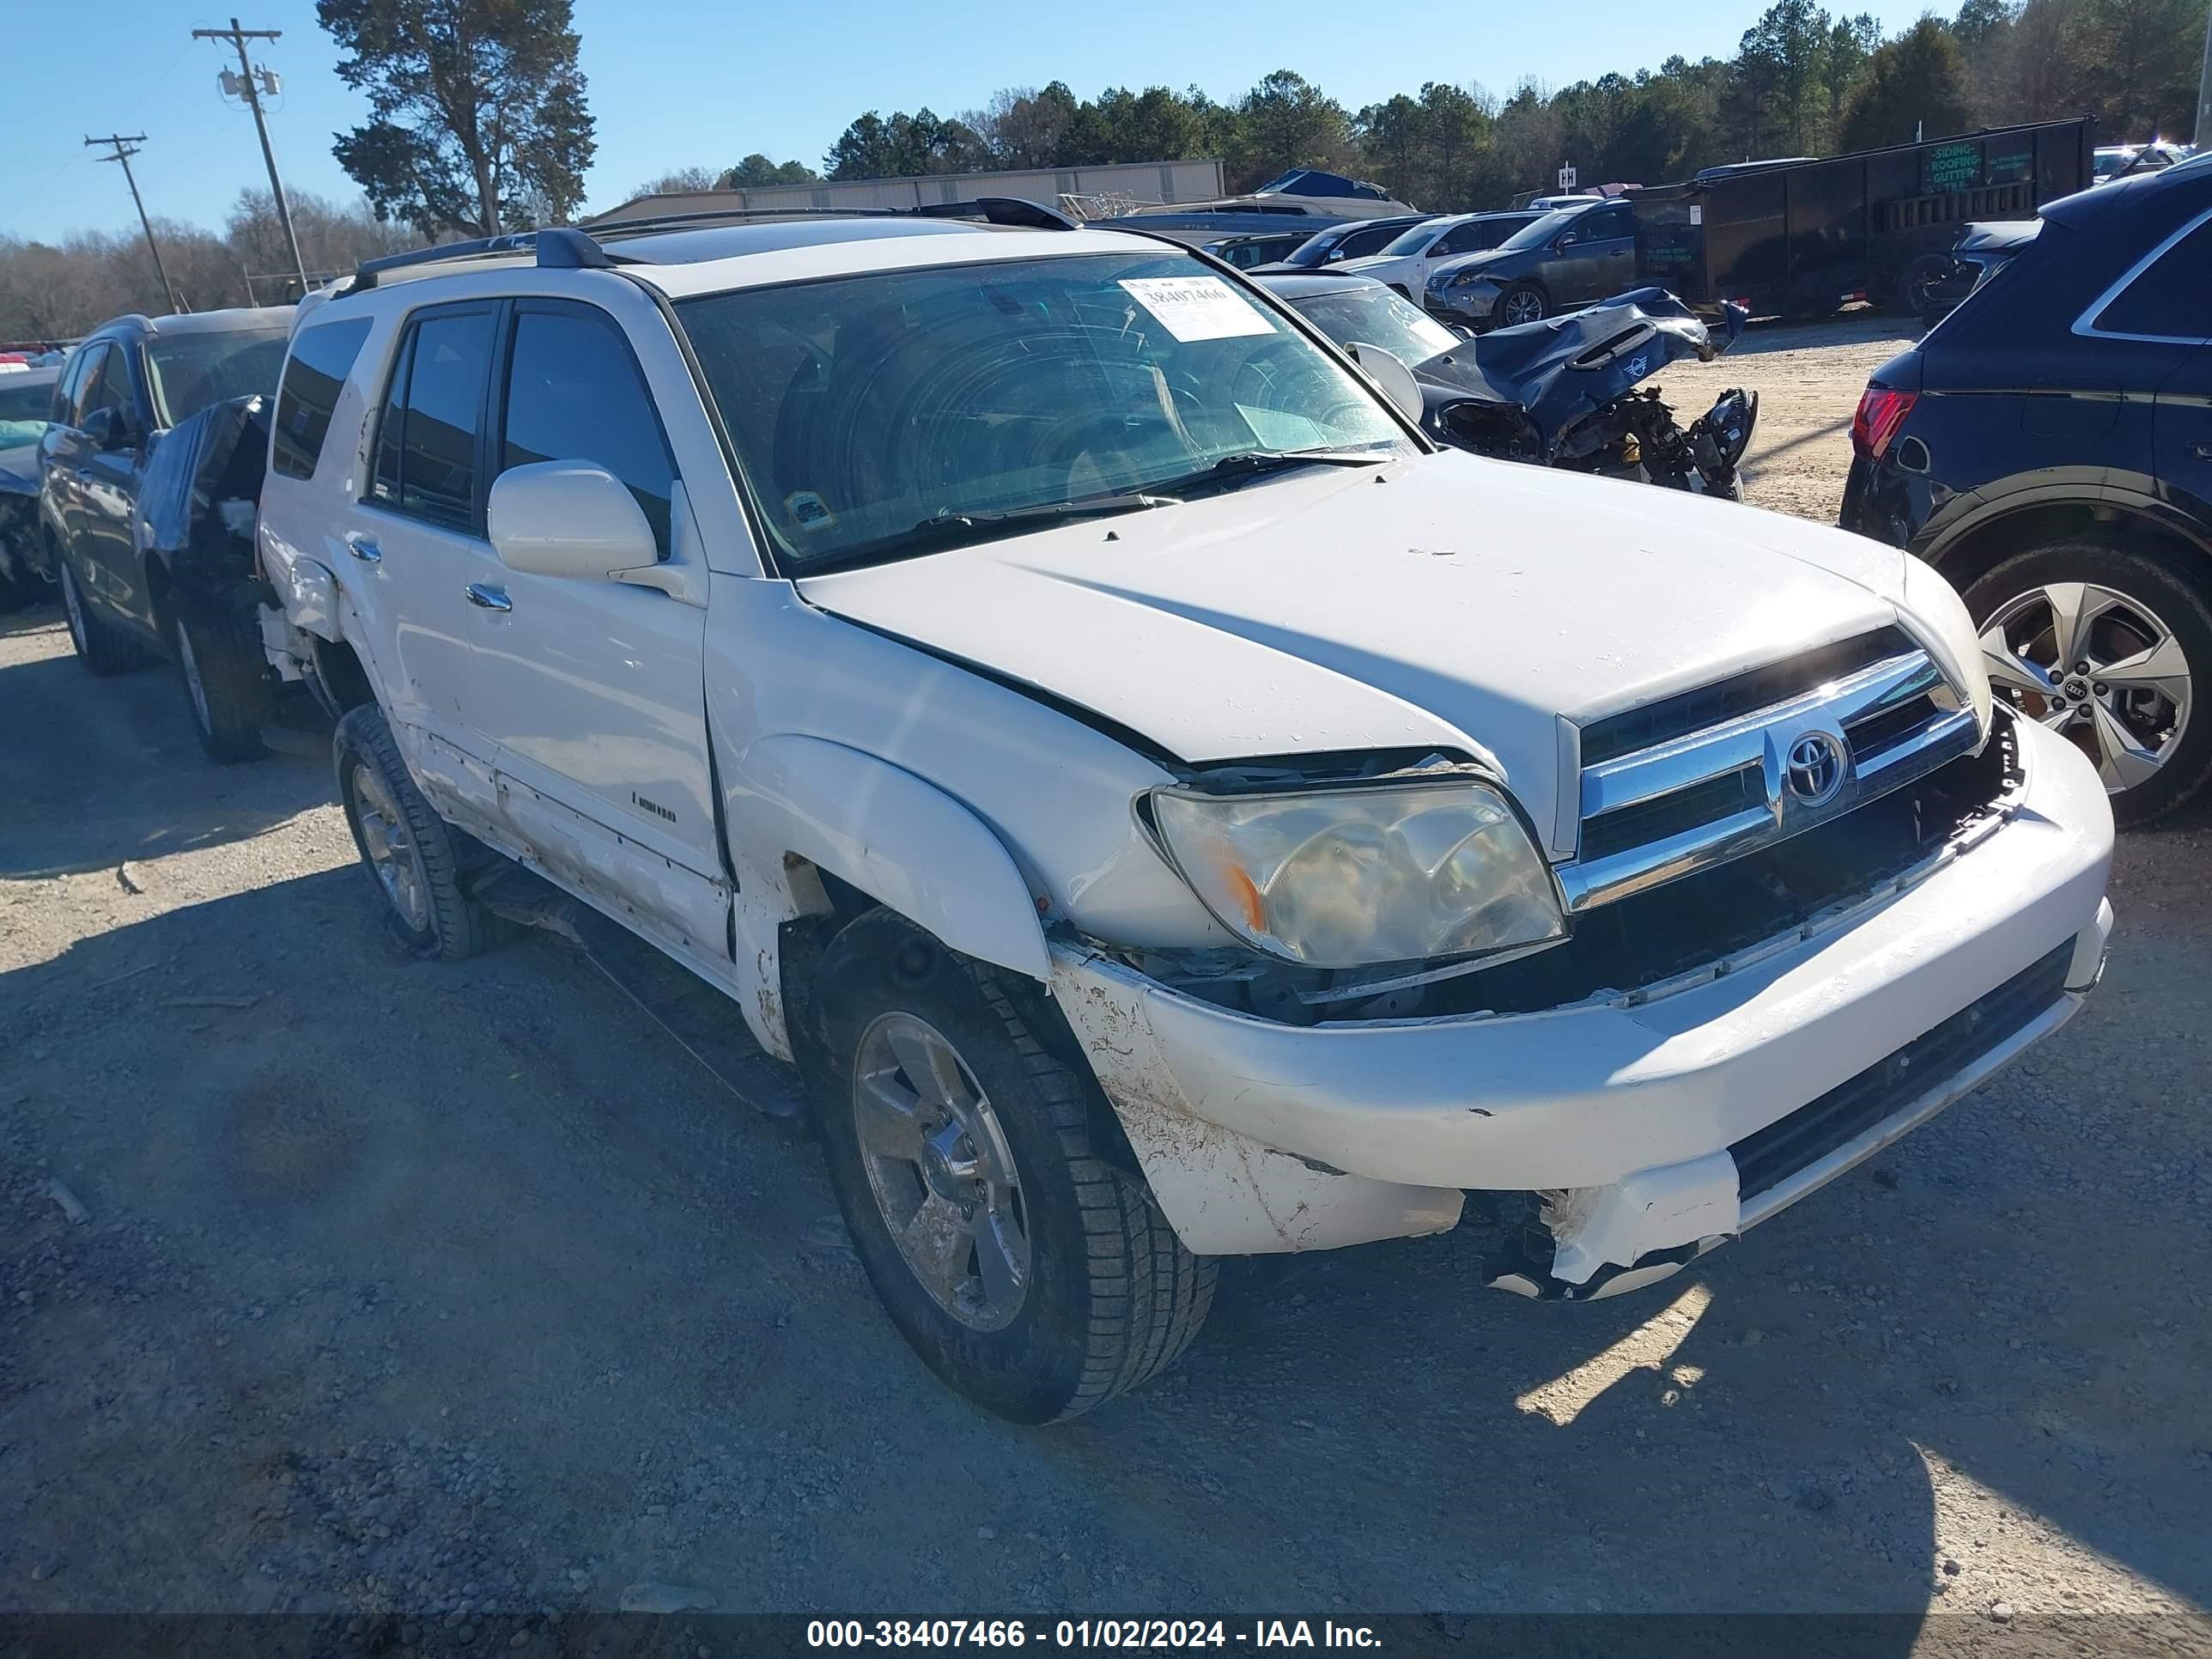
[(1166, 808)]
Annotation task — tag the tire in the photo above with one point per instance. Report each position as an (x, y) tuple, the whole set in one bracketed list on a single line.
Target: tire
[(1912, 297), (419, 863), (103, 648), (1527, 298), (1108, 1296), (225, 680), (2152, 743)]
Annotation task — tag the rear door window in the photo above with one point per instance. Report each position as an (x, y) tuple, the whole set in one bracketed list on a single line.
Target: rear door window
[(2171, 298), (314, 375), (433, 417), (109, 386), (574, 392), (69, 390)]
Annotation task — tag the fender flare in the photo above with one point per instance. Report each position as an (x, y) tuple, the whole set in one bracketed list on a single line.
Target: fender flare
[(900, 840), (1966, 516)]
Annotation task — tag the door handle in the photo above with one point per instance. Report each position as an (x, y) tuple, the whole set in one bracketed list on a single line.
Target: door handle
[(365, 549), (2201, 451), (490, 598)]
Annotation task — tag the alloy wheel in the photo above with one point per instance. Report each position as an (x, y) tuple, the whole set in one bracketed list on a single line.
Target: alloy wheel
[(74, 608), (2098, 666), (390, 844), (191, 665), (1523, 308), (941, 1172)]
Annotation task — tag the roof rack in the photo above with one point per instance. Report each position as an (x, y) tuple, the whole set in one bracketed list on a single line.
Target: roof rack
[(557, 246), (565, 247)]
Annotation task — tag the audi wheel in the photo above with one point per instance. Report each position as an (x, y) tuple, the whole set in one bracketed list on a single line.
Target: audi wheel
[(2105, 646)]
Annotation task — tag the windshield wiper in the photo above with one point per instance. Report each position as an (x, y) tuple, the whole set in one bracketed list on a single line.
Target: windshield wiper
[(943, 530), (1256, 463)]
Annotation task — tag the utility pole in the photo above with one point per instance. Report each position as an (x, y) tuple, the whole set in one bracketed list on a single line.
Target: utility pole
[(238, 37), (124, 149)]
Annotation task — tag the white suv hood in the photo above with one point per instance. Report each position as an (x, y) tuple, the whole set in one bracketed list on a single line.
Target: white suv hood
[(1446, 601)]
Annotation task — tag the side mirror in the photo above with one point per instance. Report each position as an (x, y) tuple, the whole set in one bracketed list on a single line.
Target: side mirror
[(1394, 378), (109, 429), (1567, 240), (567, 518)]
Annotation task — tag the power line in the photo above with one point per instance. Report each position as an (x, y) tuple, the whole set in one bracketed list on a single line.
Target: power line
[(238, 37), (124, 149)]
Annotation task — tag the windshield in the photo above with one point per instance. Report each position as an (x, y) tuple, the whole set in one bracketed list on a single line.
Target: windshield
[(2110, 161), (1411, 241), (863, 409), (23, 409), (191, 371), (1537, 232), (1374, 316)]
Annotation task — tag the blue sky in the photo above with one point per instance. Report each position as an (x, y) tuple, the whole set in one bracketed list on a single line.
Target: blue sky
[(692, 82)]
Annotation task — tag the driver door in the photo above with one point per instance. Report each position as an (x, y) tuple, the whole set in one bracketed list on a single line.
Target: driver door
[(1600, 259)]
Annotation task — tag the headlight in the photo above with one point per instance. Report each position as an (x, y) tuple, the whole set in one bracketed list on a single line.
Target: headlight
[(1351, 878), (1469, 278), (1935, 612)]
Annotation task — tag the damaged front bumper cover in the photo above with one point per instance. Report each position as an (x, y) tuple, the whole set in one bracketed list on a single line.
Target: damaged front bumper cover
[(1617, 1141)]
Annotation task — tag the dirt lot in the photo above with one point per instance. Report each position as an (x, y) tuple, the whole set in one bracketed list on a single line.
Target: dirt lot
[(465, 1294)]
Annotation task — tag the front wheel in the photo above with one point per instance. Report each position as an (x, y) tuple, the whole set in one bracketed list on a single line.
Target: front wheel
[(1026, 1271), (2105, 646), (1523, 302), (226, 684)]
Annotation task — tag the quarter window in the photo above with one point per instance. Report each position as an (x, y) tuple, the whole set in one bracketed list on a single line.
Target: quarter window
[(2171, 300), (575, 393), (314, 375), (436, 409)]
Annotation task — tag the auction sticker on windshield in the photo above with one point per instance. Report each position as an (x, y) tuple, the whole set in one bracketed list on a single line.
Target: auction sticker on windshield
[(1197, 307)]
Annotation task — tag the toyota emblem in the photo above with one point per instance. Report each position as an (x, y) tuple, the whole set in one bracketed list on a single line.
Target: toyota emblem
[(1818, 765)]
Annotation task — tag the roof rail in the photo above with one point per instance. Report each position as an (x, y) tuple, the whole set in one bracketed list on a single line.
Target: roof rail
[(557, 247), (566, 247), (993, 209), (997, 210)]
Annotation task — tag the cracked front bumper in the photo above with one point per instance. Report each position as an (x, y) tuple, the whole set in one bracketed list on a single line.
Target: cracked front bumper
[(1629, 1119)]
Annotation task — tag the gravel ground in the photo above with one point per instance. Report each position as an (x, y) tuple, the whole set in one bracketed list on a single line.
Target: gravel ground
[(459, 1301)]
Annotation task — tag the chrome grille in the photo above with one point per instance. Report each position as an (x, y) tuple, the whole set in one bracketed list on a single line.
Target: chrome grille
[(1685, 801)]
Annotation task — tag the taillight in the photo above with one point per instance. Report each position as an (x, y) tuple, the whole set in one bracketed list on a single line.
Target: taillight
[(1879, 413)]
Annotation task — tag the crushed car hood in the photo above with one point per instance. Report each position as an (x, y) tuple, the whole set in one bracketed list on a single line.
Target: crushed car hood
[(1447, 602)]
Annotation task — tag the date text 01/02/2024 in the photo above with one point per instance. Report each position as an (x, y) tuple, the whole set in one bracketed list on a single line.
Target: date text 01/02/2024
[(1086, 1633)]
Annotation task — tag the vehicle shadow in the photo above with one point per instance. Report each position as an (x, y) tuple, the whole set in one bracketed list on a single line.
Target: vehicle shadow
[(107, 769), (1857, 327), (494, 1204)]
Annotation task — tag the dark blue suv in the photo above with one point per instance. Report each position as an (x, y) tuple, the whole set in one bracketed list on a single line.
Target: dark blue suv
[(2048, 447), (131, 381)]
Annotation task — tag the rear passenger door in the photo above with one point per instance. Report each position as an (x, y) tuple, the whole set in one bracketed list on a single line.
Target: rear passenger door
[(595, 688), (418, 541), (2155, 329)]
